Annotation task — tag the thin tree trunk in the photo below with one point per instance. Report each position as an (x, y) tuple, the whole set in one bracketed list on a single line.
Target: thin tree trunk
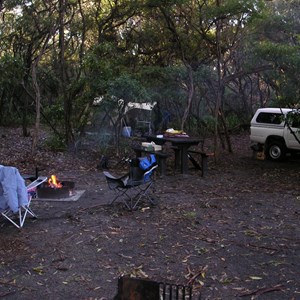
[(69, 138), (191, 90), (219, 95), (37, 108), (25, 117), (226, 133), (38, 92)]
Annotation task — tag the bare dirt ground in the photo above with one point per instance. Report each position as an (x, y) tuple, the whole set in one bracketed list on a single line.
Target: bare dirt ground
[(235, 231)]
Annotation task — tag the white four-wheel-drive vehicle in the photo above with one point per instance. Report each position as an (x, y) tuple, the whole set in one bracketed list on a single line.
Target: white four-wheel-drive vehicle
[(276, 131)]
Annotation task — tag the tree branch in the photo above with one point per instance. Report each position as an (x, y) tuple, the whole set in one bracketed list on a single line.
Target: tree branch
[(231, 77)]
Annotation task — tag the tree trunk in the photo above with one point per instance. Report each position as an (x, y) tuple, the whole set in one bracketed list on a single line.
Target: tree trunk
[(36, 88), (191, 90), (69, 138), (226, 133), (219, 93), (28, 58), (24, 117), (37, 91)]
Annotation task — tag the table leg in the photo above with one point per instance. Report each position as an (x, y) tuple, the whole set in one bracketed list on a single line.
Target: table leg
[(177, 152), (184, 160)]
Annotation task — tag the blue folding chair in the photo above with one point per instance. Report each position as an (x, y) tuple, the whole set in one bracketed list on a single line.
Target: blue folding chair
[(135, 185)]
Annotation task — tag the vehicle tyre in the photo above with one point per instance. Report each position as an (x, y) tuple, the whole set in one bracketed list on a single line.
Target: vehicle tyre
[(276, 151)]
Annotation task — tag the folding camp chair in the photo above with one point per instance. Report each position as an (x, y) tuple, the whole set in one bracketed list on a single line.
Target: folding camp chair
[(144, 289), (15, 196), (134, 185)]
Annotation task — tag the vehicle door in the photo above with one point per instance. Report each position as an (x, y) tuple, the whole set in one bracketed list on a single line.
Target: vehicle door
[(292, 133)]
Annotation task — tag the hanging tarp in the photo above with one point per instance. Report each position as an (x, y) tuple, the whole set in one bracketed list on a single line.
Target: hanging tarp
[(137, 105)]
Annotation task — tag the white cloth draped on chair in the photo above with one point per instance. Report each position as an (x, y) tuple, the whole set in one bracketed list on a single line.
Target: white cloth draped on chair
[(13, 191), (15, 196)]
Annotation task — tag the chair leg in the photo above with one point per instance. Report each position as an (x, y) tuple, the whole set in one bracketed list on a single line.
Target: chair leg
[(27, 210), (124, 195), (132, 200), (12, 221), (144, 193), (119, 194), (132, 193)]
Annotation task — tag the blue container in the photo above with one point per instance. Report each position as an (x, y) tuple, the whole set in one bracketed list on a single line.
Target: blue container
[(126, 131)]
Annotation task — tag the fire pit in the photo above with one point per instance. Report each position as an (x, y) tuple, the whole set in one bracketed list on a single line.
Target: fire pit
[(46, 191), (55, 190)]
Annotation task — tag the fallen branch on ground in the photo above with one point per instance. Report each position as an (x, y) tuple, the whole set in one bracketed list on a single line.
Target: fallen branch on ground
[(263, 291)]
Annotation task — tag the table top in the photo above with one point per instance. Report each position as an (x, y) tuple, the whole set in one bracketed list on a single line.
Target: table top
[(141, 149), (174, 140)]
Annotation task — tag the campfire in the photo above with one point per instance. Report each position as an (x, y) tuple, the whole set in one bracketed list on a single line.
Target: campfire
[(56, 189), (54, 182)]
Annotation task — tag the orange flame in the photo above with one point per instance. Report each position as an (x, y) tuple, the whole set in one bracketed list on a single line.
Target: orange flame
[(54, 183)]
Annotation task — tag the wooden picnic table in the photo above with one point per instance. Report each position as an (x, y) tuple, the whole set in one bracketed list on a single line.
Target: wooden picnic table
[(180, 144)]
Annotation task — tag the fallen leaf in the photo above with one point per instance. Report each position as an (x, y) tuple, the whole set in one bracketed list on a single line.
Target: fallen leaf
[(255, 278)]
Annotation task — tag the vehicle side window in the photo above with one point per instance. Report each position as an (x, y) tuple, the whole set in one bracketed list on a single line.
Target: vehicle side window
[(296, 124), (293, 119), (271, 118)]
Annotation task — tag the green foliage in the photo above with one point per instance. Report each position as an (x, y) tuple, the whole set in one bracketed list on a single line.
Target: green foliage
[(162, 83), (103, 65), (11, 78), (210, 123), (276, 44), (157, 3), (127, 88), (101, 59), (56, 143), (12, 72), (103, 144), (233, 10), (55, 114), (293, 118), (139, 51), (233, 120), (286, 60), (277, 53)]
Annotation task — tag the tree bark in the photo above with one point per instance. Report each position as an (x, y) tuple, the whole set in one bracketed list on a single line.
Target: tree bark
[(69, 138), (37, 90), (219, 87), (37, 108), (191, 90)]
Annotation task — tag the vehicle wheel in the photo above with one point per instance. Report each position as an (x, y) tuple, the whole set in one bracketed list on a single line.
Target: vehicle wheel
[(276, 151)]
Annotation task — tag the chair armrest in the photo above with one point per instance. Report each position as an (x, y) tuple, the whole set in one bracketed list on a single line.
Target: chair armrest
[(36, 183), (150, 170)]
